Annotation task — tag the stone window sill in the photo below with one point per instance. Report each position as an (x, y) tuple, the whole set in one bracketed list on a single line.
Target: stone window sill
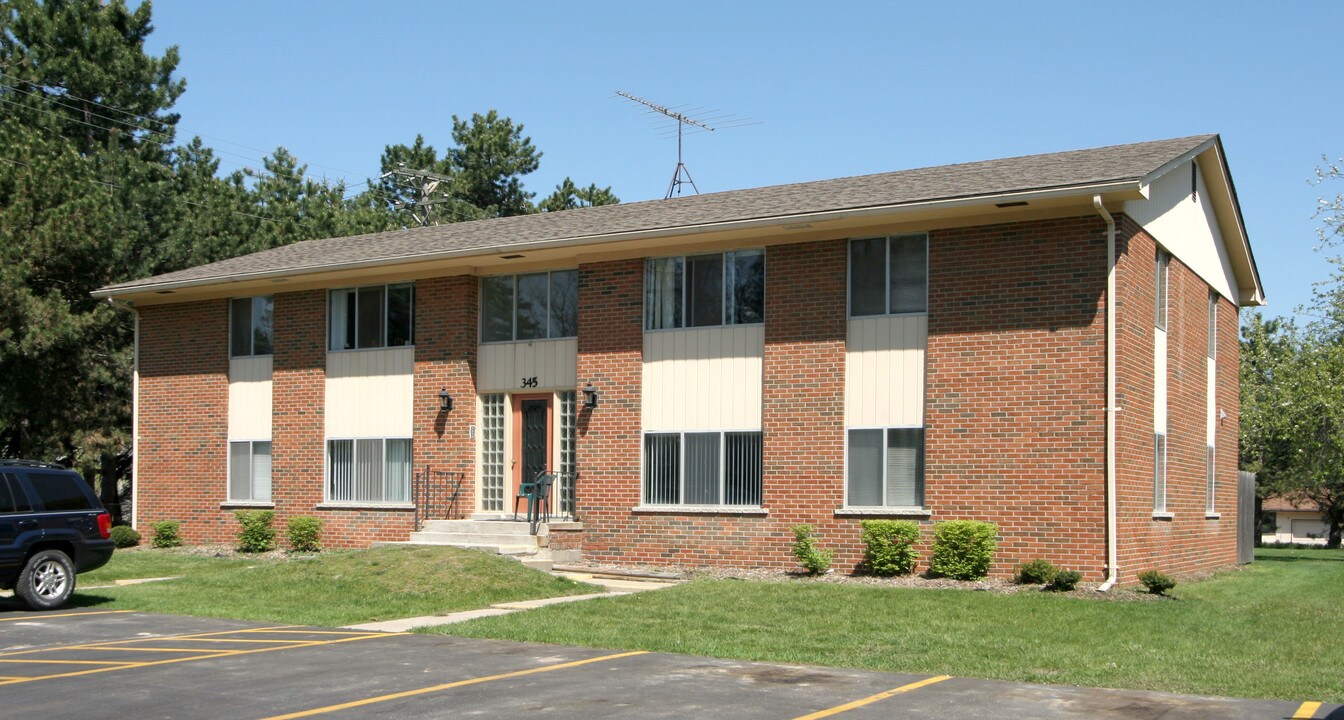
[(699, 510), (909, 512), (395, 507), (246, 505), (1163, 515)]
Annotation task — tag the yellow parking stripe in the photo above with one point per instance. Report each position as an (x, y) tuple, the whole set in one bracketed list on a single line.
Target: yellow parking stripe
[(200, 655), (874, 698), (1307, 710), (151, 638), (74, 614), (451, 685), (44, 661)]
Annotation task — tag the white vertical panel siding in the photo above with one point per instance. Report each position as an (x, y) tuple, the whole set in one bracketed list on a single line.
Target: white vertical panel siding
[(1159, 380), (1187, 227), (369, 393), (250, 398), (1211, 393), (502, 366), (884, 371), (703, 378)]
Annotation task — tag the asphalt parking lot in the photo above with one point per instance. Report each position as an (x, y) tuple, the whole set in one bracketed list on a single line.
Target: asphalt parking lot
[(91, 663)]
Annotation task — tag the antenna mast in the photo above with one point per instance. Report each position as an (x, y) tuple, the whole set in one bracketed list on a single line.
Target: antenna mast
[(682, 120)]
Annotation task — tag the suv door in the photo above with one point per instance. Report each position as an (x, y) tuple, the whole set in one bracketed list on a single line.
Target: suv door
[(18, 528)]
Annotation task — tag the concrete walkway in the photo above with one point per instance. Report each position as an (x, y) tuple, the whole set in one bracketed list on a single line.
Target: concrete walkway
[(615, 586)]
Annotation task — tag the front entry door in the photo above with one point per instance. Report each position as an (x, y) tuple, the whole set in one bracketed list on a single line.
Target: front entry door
[(532, 446)]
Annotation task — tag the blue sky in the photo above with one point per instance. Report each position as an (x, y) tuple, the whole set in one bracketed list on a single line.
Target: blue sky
[(838, 89)]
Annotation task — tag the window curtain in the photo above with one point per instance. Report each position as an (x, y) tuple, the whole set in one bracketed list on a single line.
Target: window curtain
[(662, 293)]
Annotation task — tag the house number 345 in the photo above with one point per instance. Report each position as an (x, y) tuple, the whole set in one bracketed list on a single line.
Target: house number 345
[(530, 382)]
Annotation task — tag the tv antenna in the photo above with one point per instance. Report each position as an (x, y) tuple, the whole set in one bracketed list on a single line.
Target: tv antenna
[(683, 119)]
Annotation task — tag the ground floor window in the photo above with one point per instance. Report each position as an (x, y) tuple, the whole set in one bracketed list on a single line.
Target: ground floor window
[(702, 468), (885, 468), (492, 453), (250, 470), (1159, 472), (369, 470), (1210, 479), (568, 455)]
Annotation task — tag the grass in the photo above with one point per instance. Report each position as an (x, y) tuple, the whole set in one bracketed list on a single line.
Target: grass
[(1269, 630), (333, 588)]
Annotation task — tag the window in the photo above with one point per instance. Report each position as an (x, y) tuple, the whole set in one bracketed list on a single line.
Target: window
[(704, 290), (12, 496), (885, 468), (60, 492), (702, 468), (1159, 472), (530, 307), (250, 329), (889, 275), (369, 470), (1163, 271), (569, 461), (372, 317), (1210, 479), (250, 471), (1213, 326), (492, 452)]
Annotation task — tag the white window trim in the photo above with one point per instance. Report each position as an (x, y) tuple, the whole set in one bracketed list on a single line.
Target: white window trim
[(384, 345), (513, 315), (723, 298), (644, 505), (848, 509), (327, 502), (849, 277), (251, 481), (251, 337)]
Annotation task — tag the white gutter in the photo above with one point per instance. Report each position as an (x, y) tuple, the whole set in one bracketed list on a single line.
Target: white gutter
[(1112, 565)]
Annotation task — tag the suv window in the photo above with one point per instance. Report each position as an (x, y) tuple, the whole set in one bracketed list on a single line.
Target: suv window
[(12, 497), (60, 492)]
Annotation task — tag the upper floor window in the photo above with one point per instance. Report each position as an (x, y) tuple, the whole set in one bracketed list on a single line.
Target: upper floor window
[(1162, 281), (250, 328), (530, 307), (704, 290), (889, 275), (1213, 326), (372, 317)]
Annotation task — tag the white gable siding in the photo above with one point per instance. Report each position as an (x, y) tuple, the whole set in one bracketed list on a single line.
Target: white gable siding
[(1187, 228)]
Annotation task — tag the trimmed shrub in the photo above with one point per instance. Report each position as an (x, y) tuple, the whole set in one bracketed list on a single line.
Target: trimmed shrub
[(963, 549), (1064, 581), (167, 534), (889, 546), (124, 536), (815, 560), (303, 532), (1156, 582), (1036, 572), (256, 533)]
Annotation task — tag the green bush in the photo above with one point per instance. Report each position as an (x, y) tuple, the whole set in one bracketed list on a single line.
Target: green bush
[(889, 546), (167, 534), (303, 532), (1064, 581), (814, 559), (124, 536), (256, 533), (963, 549), (1156, 582), (1036, 572)]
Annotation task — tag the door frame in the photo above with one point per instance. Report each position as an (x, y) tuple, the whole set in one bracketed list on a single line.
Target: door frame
[(515, 475)]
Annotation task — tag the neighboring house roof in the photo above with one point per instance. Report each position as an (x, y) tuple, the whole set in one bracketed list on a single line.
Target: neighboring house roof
[(1114, 169), (1282, 504)]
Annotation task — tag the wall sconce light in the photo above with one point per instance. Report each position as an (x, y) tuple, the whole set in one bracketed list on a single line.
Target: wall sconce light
[(445, 401), (589, 396)]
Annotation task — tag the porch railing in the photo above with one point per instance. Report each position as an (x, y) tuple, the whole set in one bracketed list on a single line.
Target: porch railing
[(437, 495)]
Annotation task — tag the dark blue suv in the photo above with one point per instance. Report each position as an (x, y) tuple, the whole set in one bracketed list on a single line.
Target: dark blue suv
[(52, 526)]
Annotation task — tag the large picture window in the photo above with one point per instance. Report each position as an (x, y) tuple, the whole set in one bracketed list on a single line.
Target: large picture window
[(530, 307), (250, 326), (250, 471), (702, 468), (375, 316), (885, 468), (369, 470), (704, 290), (889, 275)]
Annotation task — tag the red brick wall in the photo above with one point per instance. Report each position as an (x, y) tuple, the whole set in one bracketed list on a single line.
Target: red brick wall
[(445, 359), (181, 456), (1014, 413), (1188, 542)]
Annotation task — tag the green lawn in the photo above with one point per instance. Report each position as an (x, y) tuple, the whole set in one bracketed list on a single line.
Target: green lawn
[(1272, 629), (333, 588)]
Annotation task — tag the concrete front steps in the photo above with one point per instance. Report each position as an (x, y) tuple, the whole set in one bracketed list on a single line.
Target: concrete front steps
[(508, 538)]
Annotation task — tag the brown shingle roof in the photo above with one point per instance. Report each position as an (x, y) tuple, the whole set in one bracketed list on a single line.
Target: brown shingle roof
[(1032, 173)]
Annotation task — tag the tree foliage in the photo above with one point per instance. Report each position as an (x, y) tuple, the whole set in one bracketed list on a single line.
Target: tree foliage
[(568, 196)]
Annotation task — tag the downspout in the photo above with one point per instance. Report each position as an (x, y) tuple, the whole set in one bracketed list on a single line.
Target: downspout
[(1112, 568)]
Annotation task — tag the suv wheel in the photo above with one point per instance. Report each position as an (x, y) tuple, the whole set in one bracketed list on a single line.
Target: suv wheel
[(47, 580)]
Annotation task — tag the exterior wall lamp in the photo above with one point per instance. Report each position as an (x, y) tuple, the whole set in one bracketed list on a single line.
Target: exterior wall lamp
[(589, 396), (445, 401)]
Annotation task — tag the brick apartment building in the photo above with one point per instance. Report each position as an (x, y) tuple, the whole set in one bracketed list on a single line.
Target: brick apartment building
[(929, 344)]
